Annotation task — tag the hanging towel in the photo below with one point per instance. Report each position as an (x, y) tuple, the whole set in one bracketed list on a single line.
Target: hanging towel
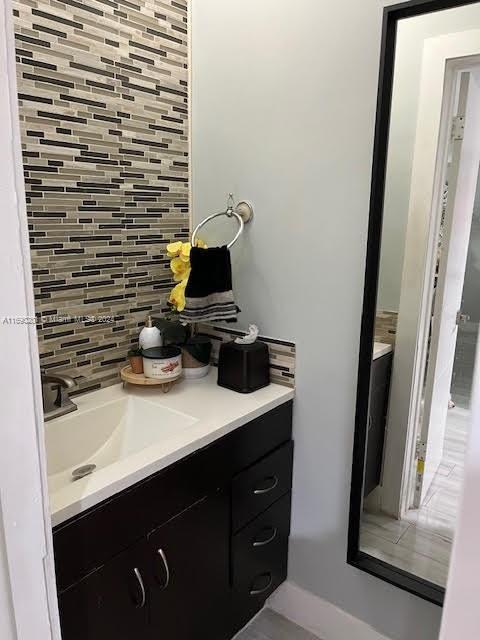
[(209, 295)]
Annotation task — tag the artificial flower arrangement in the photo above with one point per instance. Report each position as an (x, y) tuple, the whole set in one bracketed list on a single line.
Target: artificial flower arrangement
[(179, 252), (196, 350)]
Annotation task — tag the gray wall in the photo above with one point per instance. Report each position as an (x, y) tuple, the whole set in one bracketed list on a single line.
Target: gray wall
[(467, 336), (283, 113), (471, 285)]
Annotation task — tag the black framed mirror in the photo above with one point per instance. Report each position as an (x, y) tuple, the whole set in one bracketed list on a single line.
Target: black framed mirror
[(419, 325)]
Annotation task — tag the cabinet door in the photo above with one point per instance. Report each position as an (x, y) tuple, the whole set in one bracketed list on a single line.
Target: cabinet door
[(189, 560), (111, 603), (375, 439), (123, 596), (79, 609)]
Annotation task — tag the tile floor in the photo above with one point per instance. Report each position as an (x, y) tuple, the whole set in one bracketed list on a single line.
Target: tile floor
[(271, 626), (421, 544)]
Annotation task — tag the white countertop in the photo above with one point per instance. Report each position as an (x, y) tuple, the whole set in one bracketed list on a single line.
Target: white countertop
[(216, 411), (381, 349)]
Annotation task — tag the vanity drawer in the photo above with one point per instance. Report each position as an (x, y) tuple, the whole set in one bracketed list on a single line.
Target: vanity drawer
[(259, 486), (258, 570), (261, 545)]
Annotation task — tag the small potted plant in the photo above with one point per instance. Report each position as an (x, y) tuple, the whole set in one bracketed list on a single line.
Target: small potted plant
[(136, 360)]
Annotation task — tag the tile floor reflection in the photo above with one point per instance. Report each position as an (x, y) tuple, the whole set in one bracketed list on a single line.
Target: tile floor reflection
[(421, 544)]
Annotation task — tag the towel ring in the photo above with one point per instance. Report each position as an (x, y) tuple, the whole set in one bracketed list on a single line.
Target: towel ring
[(243, 213)]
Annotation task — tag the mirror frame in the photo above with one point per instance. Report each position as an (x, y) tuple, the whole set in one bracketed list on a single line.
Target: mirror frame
[(355, 557)]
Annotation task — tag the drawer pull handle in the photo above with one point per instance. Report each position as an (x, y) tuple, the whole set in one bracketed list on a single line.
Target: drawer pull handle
[(161, 553), (262, 543), (138, 575), (257, 592), (259, 492)]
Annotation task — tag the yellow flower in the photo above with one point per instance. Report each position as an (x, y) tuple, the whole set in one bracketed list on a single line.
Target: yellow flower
[(185, 252), (177, 295), (180, 266), (174, 248), (180, 269)]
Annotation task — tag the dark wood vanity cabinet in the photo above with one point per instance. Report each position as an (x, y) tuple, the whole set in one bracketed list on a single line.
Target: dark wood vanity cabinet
[(190, 572), (377, 418), (191, 552)]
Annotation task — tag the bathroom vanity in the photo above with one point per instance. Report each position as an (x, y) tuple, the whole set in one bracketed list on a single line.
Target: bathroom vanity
[(189, 551), (377, 414)]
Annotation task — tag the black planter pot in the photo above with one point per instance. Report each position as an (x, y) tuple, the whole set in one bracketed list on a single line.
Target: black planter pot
[(199, 348)]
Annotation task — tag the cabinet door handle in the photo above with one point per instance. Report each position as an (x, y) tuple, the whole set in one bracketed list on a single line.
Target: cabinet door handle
[(262, 543), (138, 575), (161, 553), (257, 592), (259, 492)]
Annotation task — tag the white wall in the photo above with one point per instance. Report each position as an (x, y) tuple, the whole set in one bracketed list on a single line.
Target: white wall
[(283, 113), (410, 39), (27, 587), (7, 624)]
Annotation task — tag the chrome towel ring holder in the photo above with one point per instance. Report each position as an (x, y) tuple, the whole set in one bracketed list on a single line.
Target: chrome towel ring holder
[(243, 213)]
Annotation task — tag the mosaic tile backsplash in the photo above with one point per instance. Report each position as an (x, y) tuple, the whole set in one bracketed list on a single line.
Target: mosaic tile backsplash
[(386, 326), (282, 353), (104, 119)]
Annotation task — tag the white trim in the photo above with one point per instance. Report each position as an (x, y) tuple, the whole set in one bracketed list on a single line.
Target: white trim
[(23, 482), (319, 616)]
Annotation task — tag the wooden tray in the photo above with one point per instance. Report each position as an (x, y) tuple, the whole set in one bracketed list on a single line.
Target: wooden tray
[(139, 378)]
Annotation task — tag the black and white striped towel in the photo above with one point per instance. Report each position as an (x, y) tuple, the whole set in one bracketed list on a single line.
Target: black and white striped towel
[(209, 295)]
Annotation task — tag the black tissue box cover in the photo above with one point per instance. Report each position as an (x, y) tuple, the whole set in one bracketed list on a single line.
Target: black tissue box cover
[(244, 367)]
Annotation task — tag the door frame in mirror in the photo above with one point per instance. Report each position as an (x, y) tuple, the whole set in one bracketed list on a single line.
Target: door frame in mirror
[(355, 557)]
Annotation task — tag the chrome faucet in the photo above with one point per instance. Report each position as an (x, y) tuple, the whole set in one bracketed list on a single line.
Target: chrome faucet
[(56, 401)]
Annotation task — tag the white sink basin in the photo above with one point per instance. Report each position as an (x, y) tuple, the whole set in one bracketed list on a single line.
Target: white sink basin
[(107, 434)]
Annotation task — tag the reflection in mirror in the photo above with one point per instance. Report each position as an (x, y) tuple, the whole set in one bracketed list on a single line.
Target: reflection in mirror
[(428, 297)]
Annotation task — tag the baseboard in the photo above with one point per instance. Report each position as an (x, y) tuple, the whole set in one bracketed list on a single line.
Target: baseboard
[(318, 616)]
